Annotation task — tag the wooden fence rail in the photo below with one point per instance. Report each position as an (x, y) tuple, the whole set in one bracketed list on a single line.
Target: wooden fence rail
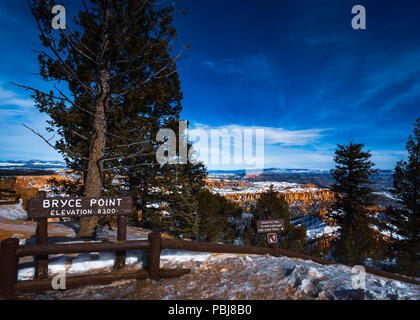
[(83, 247), (10, 253), (212, 247)]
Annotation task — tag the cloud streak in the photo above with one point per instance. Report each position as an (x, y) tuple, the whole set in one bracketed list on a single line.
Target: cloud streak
[(250, 65), (274, 136), (10, 98)]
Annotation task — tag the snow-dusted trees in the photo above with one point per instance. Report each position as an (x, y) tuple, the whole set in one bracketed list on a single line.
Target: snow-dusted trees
[(353, 197), (404, 220)]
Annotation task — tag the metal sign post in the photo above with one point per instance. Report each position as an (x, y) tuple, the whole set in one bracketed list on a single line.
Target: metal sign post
[(272, 238), (271, 228)]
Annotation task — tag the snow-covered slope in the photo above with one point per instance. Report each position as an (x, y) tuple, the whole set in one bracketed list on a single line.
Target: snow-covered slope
[(231, 276)]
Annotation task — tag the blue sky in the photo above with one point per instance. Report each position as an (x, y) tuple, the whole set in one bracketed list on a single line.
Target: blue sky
[(295, 68)]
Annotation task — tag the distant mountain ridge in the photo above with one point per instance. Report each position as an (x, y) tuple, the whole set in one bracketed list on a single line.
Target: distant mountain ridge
[(33, 163), (321, 178), (30, 167)]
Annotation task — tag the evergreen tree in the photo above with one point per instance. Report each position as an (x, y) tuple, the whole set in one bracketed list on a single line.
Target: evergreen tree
[(169, 199), (404, 220), (272, 205), (353, 197), (117, 84)]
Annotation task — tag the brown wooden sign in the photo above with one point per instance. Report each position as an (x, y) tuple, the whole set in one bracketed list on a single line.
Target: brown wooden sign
[(78, 207), (266, 226)]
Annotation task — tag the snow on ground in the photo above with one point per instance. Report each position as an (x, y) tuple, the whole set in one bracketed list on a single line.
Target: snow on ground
[(82, 263), (233, 276), (13, 211), (320, 230), (387, 195), (260, 187), (86, 262), (388, 233), (315, 227), (183, 256)]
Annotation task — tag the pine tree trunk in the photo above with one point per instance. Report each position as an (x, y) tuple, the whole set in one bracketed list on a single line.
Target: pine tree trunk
[(93, 183)]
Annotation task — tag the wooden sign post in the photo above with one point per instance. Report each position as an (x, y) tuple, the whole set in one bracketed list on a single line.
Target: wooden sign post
[(41, 208), (271, 228), (41, 238)]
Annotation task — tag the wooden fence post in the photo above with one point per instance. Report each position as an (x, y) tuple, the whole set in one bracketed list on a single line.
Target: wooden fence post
[(275, 250), (8, 268), (153, 255), (121, 236), (41, 262)]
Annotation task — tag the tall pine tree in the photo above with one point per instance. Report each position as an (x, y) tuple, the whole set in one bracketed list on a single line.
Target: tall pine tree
[(404, 220), (353, 197)]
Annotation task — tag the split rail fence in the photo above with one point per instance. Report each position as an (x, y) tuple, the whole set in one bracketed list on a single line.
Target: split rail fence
[(11, 252)]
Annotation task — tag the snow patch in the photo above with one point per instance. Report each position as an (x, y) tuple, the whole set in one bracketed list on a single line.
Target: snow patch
[(13, 211)]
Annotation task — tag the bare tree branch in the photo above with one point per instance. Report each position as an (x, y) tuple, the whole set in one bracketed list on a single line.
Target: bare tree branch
[(52, 96), (128, 145), (62, 149), (133, 155), (80, 135), (117, 136), (72, 44), (128, 167)]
